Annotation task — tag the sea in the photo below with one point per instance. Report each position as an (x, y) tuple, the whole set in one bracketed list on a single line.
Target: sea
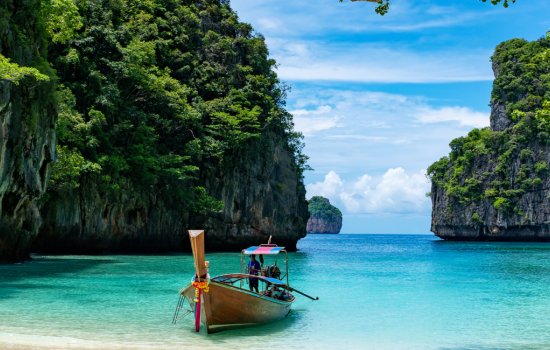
[(375, 292)]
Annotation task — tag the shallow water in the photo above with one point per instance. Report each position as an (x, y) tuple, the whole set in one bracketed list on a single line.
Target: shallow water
[(376, 292)]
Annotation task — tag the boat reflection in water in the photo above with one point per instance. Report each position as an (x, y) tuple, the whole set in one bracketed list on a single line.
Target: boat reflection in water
[(223, 302)]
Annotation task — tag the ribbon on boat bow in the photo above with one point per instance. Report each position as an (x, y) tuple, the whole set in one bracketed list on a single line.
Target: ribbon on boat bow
[(200, 286)]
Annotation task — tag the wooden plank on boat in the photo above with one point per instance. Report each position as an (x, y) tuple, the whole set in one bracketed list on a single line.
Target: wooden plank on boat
[(228, 307), (197, 246)]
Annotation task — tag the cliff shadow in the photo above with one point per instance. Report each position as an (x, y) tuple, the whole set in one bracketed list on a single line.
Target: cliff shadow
[(27, 275)]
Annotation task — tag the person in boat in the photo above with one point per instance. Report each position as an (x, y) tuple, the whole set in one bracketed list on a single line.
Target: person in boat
[(253, 268), (271, 271), (276, 292)]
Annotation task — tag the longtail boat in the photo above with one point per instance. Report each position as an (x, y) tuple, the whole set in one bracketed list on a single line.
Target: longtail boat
[(223, 302)]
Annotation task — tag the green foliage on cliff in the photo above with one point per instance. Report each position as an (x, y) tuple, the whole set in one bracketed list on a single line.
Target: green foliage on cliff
[(60, 18), (14, 72), (320, 207), (153, 91), (522, 85), (22, 43)]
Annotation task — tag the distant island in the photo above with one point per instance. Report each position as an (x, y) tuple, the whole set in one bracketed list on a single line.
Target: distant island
[(324, 217), (495, 183)]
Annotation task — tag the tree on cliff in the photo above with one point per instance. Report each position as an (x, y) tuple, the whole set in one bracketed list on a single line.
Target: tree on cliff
[(320, 207), (151, 91)]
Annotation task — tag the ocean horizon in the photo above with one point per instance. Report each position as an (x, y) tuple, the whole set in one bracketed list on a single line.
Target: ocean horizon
[(376, 291), (375, 233)]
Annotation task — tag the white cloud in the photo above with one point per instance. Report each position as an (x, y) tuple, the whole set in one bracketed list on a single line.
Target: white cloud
[(440, 10), (319, 110), (356, 131), (445, 20), (463, 115), (351, 137), (268, 24), (310, 121), (309, 126), (330, 187), (372, 116), (395, 192), (376, 63)]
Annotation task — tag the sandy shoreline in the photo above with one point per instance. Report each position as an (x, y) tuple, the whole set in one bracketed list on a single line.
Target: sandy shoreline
[(12, 341), (70, 347)]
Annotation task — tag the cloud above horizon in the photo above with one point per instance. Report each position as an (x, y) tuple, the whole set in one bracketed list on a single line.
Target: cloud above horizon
[(352, 111), (362, 131), (396, 191)]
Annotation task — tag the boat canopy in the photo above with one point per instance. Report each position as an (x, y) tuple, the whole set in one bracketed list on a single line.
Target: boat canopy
[(263, 250)]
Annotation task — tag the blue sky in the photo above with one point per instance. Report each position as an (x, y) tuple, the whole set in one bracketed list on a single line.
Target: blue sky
[(380, 98)]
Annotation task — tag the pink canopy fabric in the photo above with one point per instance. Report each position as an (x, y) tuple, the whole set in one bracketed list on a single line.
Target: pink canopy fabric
[(265, 250)]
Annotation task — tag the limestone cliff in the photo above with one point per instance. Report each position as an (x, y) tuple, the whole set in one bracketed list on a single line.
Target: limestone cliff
[(324, 217), (27, 119), (262, 192), (495, 184), (263, 196), (171, 118)]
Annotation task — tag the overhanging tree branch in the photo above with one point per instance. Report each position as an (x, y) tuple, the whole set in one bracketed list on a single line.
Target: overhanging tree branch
[(384, 5)]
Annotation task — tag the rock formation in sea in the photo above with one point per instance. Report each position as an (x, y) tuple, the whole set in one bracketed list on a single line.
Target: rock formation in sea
[(495, 184), (171, 118), (324, 217), (27, 119)]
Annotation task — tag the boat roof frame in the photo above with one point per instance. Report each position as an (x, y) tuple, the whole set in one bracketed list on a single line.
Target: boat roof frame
[(263, 249), (275, 253)]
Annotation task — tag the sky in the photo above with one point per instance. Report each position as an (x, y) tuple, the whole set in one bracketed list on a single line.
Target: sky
[(379, 98)]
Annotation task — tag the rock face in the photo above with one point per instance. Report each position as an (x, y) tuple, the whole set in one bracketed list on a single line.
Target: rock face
[(262, 192), (164, 111), (263, 196), (495, 185), (530, 219), (324, 217), (319, 225), (27, 136)]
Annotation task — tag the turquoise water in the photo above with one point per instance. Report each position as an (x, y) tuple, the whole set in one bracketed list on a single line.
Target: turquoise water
[(376, 292)]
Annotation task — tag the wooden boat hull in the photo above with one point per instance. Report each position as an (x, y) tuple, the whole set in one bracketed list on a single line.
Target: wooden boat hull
[(227, 307)]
